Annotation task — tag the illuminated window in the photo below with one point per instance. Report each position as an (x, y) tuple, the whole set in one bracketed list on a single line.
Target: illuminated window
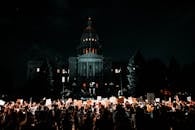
[(58, 70), (95, 39), (84, 85), (63, 79), (96, 85), (63, 71), (68, 79), (89, 39), (38, 69), (68, 71), (92, 39), (86, 39), (93, 50), (117, 71)]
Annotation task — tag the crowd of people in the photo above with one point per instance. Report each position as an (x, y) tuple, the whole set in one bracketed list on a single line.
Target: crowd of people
[(97, 114)]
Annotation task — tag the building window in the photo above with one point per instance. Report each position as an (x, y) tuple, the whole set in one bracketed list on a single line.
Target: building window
[(86, 39), (117, 71), (58, 70), (93, 50), (68, 79), (63, 71), (63, 79), (89, 39), (92, 39), (86, 51), (38, 69), (84, 85), (96, 85)]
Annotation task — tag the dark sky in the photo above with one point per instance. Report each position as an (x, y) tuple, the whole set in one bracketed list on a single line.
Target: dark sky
[(159, 30)]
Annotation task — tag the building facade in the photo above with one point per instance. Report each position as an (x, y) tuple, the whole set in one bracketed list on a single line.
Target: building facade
[(46, 77), (88, 74), (89, 66)]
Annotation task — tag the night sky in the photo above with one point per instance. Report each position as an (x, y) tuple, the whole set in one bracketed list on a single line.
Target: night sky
[(54, 27)]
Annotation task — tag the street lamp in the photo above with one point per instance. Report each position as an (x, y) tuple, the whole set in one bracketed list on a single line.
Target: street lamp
[(121, 83), (118, 71), (63, 87)]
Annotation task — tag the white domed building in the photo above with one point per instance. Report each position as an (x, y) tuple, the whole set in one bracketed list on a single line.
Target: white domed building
[(89, 65)]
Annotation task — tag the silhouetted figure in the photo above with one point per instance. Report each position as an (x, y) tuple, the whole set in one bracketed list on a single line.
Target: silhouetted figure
[(121, 119), (139, 118), (105, 122)]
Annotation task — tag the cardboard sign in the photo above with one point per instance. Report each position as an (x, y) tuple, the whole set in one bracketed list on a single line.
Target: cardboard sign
[(176, 98), (99, 98), (157, 99), (113, 100), (121, 100), (130, 100), (48, 102), (20, 101), (189, 99), (169, 99), (2, 103)]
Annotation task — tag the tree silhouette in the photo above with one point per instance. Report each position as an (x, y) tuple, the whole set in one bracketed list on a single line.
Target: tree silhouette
[(135, 76)]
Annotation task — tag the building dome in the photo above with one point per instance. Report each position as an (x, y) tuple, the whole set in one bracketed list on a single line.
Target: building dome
[(89, 42)]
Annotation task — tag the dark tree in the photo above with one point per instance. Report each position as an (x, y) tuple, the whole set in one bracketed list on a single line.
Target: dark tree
[(135, 76)]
